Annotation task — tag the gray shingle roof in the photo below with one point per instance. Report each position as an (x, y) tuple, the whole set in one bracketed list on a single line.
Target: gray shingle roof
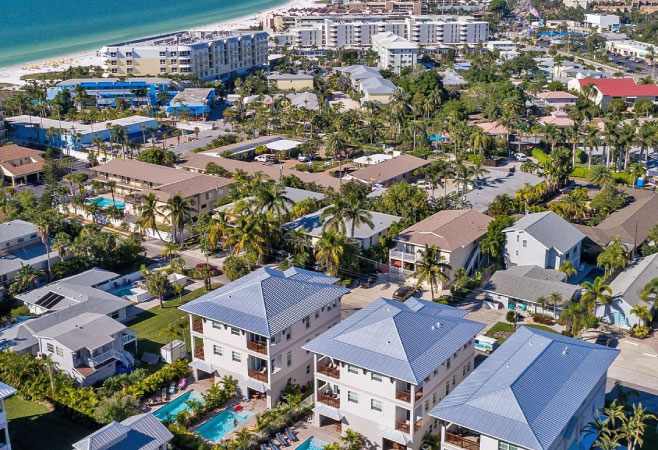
[(550, 230), (86, 330), (267, 301), (29, 256), (528, 390), (529, 283), (406, 340), (313, 225), (15, 229), (629, 284), (140, 432)]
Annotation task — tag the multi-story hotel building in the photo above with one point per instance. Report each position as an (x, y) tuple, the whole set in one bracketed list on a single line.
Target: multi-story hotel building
[(357, 31), (380, 371), (253, 328), (208, 55), (394, 52)]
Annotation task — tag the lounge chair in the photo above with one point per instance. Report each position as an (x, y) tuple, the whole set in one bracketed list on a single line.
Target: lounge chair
[(290, 435), (282, 440), (273, 446), (172, 388), (263, 447)]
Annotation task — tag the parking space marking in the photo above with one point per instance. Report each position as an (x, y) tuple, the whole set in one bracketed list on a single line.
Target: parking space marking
[(650, 354)]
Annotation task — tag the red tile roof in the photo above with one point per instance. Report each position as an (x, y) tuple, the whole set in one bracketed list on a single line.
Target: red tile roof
[(621, 87)]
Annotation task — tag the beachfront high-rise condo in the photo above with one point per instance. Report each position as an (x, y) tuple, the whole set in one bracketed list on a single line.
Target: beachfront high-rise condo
[(208, 55), (381, 370)]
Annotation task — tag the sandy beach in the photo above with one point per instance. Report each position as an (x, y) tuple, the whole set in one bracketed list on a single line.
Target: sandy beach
[(12, 75)]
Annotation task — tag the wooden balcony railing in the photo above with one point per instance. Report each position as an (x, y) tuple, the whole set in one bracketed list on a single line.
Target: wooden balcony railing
[(403, 395), (462, 441), (198, 353), (419, 394), (197, 325), (418, 424), (257, 347), (402, 426), (260, 376), (329, 400), (329, 371)]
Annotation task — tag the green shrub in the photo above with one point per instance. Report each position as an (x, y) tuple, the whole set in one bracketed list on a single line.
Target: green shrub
[(592, 321), (540, 155), (543, 319), (640, 332), (157, 380), (511, 315), (235, 267)]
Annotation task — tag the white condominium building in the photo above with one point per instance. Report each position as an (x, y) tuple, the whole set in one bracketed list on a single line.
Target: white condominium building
[(380, 371), (394, 52), (357, 31), (253, 328), (208, 55)]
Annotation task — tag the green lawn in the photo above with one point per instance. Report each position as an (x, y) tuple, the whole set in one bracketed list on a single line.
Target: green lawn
[(32, 426), (151, 325), (509, 327)]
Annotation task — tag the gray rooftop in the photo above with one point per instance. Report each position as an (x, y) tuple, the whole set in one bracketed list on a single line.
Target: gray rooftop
[(529, 390), (6, 390), (191, 96), (551, 230), (267, 301), (497, 182), (375, 85), (306, 100), (290, 76), (406, 341), (312, 224), (87, 330), (360, 72), (140, 432), (14, 229), (29, 256), (628, 285), (529, 283)]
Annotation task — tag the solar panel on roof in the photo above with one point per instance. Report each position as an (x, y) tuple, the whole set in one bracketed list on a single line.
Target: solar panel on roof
[(49, 300)]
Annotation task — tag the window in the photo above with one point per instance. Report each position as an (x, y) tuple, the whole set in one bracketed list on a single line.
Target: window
[(60, 352), (352, 397), (376, 377), (448, 363), (463, 370), (376, 405), (308, 369), (162, 53), (163, 61), (453, 381), (525, 243), (216, 325), (307, 321), (50, 348), (235, 331), (289, 359), (447, 388), (434, 399), (517, 238), (236, 357), (217, 350), (427, 405), (352, 369), (317, 314), (506, 446)]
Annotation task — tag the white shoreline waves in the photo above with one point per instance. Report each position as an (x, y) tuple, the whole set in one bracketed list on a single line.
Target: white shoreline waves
[(13, 74)]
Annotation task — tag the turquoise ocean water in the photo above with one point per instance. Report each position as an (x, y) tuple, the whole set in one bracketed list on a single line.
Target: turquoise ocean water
[(40, 29)]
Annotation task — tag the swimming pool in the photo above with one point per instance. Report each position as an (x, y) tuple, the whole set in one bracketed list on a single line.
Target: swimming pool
[(124, 292), (222, 424), (105, 202), (175, 406), (312, 443)]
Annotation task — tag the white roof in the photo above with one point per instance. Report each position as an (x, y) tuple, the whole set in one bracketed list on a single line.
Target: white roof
[(372, 159), (78, 127), (283, 145)]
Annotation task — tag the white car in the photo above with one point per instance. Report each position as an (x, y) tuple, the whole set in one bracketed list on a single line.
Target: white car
[(424, 184), (304, 158), (521, 157), (265, 158)]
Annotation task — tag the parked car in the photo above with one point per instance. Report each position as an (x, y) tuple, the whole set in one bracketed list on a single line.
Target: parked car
[(266, 158), (214, 271), (404, 292), (424, 184), (367, 280), (521, 157), (304, 158), (604, 339)]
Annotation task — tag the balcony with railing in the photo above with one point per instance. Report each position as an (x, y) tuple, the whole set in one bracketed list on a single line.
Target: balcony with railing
[(257, 343), (330, 399), (197, 325), (199, 353), (402, 426), (260, 375), (418, 425), (129, 335), (328, 368), (466, 441)]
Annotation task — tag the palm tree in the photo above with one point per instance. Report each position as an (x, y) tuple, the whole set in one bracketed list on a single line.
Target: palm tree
[(431, 268), (352, 440), (43, 228), (567, 269), (273, 199), (358, 215), (596, 293), (650, 290), (637, 170), (169, 250), (542, 302), (334, 217), (555, 299), (633, 428), (463, 175), (249, 235), (25, 279), (574, 315), (642, 313), (613, 257), (149, 213), (243, 437), (177, 211), (111, 185), (329, 250), (61, 244)]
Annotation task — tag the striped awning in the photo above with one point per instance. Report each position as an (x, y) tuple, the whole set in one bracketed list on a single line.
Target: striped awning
[(255, 385), (328, 411), (394, 435)]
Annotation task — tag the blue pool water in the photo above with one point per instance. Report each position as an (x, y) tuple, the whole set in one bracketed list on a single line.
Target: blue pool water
[(175, 406), (123, 292), (107, 202), (222, 424), (312, 443)]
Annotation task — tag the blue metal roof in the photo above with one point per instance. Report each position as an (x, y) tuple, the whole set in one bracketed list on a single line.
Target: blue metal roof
[(529, 389), (407, 341), (267, 301)]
